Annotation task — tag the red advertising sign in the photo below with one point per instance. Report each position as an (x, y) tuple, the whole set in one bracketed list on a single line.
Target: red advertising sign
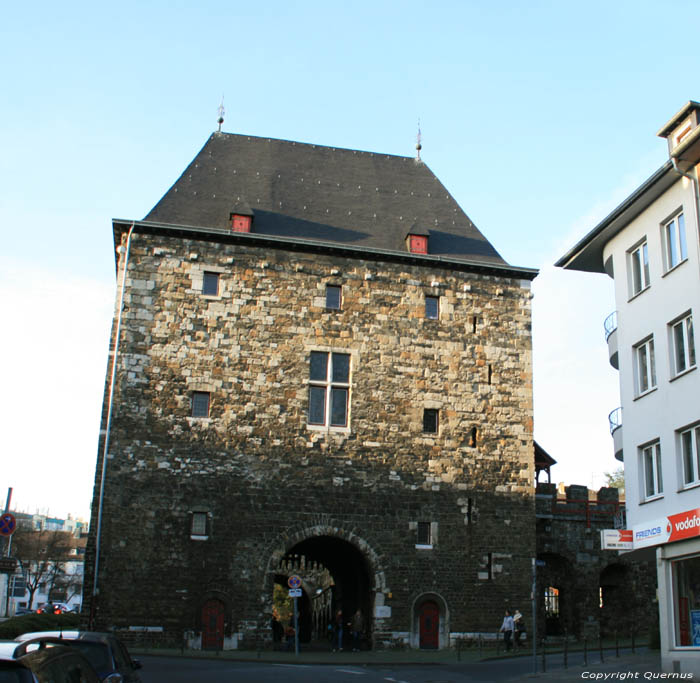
[(684, 525)]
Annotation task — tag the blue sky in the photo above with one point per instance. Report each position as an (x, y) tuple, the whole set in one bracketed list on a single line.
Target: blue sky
[(539, 118)]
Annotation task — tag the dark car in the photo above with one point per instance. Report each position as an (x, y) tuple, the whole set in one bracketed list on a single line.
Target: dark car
[(107, 654), (56, 664), (53, 608)]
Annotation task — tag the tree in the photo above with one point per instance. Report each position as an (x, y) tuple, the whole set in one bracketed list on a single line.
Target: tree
[(41, 556), (616, 479)]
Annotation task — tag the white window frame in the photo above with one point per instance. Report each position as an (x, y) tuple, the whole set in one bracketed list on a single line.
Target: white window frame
[(682, 345), (638, 264), (428, 312), (673, 238), (328, 385), (644, 367), (689, 448), (199, 526), (650, 468), (329, 297)]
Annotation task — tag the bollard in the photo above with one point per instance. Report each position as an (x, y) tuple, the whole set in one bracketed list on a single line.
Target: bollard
[(480, 645), (617, 644), (566, 653), (632, 640), (459, 648), (585, 652), (600, 647)]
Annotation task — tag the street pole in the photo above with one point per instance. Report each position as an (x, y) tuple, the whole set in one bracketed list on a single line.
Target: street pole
[(534, 615), (296, 628), (7, 554)]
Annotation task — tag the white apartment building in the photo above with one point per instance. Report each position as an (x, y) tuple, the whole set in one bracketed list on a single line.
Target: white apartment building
[(650, 246)]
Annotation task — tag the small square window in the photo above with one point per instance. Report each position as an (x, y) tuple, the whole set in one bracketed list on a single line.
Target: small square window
[(432, 307), (200, 404), (430, 420), (333, 299), (424, 536), (210, 284)]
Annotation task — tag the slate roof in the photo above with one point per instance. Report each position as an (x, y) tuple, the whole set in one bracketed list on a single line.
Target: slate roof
[(301, 191)]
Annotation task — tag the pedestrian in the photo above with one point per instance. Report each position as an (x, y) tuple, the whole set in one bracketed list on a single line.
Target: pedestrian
[(507, 629), (338, 631), (518, 628), (357, 628)]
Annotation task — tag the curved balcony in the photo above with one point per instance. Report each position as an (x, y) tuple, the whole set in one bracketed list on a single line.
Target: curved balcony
[(615, 420), (610, 326)]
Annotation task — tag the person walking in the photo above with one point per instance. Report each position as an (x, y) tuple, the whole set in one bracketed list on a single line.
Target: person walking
[(357, 628), (507, 630), (518, 628), (338, 631)]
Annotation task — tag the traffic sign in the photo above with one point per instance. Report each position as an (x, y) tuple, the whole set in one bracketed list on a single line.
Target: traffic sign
[(8, 524), (8, 565), (294, 581), (295, 592)]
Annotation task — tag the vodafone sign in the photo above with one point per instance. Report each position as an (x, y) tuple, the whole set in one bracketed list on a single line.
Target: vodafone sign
[(668, 529)]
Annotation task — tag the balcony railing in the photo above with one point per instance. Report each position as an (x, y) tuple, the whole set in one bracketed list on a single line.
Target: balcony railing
[(615, 419), (610, 324)]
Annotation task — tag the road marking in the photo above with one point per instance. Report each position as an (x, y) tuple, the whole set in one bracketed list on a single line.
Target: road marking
[(351, 671)]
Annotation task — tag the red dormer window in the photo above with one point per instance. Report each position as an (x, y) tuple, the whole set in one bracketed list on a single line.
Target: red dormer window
[(240, 223), (418, 244)]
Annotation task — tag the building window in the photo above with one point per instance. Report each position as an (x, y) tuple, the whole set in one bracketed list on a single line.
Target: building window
[(686, 579), (690, 454), (418, 244), (551, 601), (200, 404), (241, 223), (210, 284), (683, 344), (432, 307), (651, 470), (333, 298), (430, 420), (639, 268), (199, 526), (673, 234), (424, 536), (645, 367), (329, 380)]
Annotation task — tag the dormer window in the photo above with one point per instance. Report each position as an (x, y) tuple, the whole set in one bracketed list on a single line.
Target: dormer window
[(241, 223), (417, 244)]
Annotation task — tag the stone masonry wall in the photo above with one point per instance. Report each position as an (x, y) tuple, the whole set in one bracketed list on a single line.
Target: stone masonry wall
[(268, 481)]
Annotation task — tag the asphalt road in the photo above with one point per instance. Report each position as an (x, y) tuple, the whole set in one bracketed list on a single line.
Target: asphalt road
[(183, 670)]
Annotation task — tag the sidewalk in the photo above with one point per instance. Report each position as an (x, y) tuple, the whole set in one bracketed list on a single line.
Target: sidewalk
[(635, 664)]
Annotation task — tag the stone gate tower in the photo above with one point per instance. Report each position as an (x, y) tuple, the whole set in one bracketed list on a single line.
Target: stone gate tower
[(321, 367)]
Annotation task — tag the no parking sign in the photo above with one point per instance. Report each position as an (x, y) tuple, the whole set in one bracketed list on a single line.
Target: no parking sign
[(8, 524)]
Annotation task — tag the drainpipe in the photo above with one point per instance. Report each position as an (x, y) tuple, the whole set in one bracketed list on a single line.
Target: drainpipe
[(110, 404), (696, 197)]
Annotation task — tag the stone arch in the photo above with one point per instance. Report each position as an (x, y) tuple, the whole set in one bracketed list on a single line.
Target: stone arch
[(420, 613), (617, 600), (320, 542)]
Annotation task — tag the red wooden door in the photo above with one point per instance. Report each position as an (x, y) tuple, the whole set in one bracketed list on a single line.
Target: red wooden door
[(213, 625), (429, 625)]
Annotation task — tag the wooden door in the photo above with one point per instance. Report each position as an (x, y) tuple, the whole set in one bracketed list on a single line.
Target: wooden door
[(429, 625), (213, 625)]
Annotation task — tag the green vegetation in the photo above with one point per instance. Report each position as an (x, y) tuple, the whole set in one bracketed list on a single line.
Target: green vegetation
[(16, 626)]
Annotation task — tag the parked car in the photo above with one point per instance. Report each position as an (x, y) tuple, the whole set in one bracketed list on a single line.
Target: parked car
[(53, 608), (57, 664), (104, 651)]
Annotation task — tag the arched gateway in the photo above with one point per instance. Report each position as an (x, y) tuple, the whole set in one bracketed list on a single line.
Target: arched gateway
[(338, 569)]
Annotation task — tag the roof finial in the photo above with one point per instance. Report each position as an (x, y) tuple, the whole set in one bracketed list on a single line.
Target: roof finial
[(221, 111), (419, 147)]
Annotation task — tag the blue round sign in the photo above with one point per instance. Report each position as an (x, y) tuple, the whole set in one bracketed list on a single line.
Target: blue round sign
[(294, 582)]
